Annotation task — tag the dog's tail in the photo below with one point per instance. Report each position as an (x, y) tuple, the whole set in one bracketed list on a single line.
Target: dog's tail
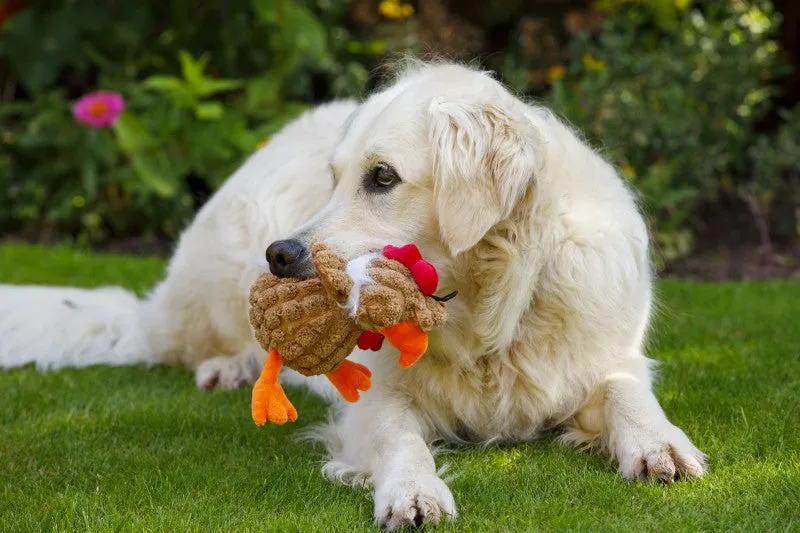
[(55, 327)]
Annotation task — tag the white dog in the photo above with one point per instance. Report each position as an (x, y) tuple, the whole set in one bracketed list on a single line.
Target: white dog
[(540, 236)]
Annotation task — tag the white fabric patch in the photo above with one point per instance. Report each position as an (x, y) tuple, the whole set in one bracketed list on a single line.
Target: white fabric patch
[(357, 270)]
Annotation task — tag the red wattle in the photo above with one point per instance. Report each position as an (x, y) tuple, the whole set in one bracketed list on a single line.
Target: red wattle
[(370, 340)]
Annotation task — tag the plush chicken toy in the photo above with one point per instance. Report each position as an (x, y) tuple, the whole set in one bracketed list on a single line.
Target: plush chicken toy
[(312, 325)]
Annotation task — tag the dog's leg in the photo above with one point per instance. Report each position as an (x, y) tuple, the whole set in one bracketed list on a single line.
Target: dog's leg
[(228, 372), (381, 440), (623, 415)]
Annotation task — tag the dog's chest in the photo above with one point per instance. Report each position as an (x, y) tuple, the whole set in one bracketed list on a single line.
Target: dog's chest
[(494, 397)]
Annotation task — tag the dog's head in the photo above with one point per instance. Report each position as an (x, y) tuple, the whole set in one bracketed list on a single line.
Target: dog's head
[(440, 158)]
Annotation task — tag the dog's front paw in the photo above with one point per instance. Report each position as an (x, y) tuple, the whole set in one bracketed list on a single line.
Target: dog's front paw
[(225, 373), (664, 458), (410, 500)]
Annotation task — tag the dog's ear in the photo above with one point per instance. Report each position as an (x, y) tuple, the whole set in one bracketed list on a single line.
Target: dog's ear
[(484, 160)]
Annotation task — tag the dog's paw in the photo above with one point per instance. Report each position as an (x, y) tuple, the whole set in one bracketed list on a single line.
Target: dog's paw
[(224, 373), (664, 459), (412, 501)]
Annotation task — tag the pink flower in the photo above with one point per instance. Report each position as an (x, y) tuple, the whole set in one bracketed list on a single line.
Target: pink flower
[(98, 109)]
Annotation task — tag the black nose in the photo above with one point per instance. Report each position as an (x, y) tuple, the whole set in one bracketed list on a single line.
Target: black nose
[(285, 258)]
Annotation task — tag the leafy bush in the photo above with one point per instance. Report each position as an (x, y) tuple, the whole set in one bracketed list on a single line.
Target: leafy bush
[(673, 91), (676, 104), (774, 182), (204, 85)]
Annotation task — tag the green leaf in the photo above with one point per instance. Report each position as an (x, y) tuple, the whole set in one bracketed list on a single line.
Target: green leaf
[(164, 83), (196, 84), (208, 86), (131, 134), (263, 93), (154, 172), (375, 48), (89, 178), (192, 70), (209, 111), (15, 108), (174, 88), (307, 33)]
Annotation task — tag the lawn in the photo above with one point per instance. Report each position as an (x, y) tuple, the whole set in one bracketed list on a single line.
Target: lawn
[(139, 448)]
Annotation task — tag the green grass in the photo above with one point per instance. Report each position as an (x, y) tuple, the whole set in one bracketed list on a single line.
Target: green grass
[(138, 448)]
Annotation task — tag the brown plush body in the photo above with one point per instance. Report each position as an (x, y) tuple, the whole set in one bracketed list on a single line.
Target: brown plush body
[(311, 331)]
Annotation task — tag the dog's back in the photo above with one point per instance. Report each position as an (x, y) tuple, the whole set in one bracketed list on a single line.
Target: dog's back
[(199, 310)]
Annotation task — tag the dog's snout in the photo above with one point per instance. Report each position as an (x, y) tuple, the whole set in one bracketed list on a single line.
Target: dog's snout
[(286, 258)]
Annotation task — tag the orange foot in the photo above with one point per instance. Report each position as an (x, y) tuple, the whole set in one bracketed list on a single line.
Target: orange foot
[(409, 338), (349, 378), (269, 401)]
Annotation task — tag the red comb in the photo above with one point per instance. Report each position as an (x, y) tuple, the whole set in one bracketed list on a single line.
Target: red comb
[(424, 273)]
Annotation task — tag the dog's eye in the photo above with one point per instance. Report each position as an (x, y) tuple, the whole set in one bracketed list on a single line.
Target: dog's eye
[(381, 178)]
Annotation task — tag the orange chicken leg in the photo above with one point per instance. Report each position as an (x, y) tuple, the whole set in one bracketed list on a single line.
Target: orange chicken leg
[(349, 378), (269, 401)]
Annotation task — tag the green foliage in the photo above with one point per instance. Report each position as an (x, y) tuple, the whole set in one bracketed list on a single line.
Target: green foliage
[(675, 103), (60, 176), (776, 174), (673, 91), (188, 113)]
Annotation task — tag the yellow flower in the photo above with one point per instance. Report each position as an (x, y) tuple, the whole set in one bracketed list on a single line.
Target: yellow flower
[(555, 73), (262, 144), (628, 171), (394, 10), (594, 64)]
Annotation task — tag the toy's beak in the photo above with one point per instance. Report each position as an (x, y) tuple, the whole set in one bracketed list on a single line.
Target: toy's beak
[(445, 298)]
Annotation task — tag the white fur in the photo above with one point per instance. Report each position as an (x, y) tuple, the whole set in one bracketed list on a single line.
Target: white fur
[(55, 327), (539, 234)]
